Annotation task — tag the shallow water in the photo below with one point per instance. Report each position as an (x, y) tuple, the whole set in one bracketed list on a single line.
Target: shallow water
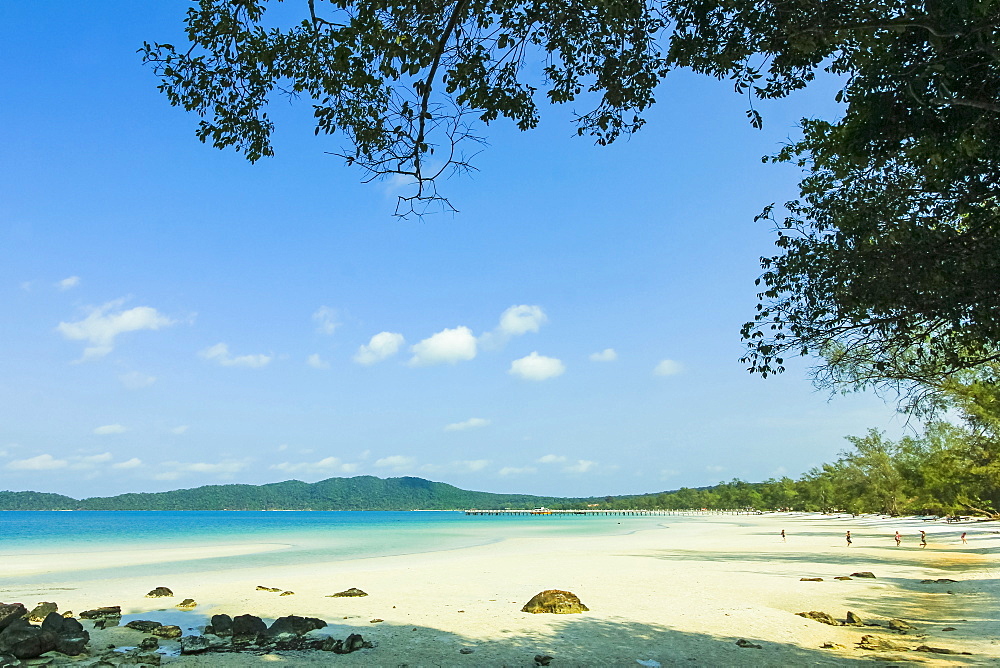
[(300, 536)]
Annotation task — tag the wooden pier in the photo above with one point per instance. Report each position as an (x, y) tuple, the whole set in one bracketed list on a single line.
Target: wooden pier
[(604, 512)]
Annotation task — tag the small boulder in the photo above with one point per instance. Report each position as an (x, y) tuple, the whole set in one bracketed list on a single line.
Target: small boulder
[(554, 601), (9, 612), (810, 579), (877, 644), (295, 624), (353, 591), (843, 577), (377, 620), (41, 611), (831, 645), (945, 580), (543, 659), (133, 657), (863, 574), (187, 604), (222, 626), (247, 628), (854, 620), (746, 644), (287, 593), (72, 645), (102, 613), (167, 631), (160, 592), (263, 588), (466, 650), (149, 643), (938, 650), (144, 625), (819, 616), (195, 645), (60, 625), (899, 625)]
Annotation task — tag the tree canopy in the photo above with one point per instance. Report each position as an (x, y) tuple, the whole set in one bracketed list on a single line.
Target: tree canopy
[(888, 261)]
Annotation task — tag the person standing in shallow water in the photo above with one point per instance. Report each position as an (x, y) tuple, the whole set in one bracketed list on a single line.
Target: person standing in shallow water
[(848, 537), (783, 536), (964, 541), (923, 539), (899, 539)]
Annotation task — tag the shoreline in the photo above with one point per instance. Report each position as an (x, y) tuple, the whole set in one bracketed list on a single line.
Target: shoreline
[(682, 592)]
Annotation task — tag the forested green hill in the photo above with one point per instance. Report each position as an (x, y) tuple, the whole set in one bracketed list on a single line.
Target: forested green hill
[(358, 493)]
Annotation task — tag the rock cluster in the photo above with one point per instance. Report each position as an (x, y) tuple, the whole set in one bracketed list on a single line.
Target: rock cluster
[(353, 591), (285, 633), (160, 592), (554, 601), (20, 639)]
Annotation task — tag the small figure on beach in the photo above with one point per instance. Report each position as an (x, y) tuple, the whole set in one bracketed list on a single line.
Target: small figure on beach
[(899, 539), (848, 537), (964, 541), (923, 539), (783, 536)]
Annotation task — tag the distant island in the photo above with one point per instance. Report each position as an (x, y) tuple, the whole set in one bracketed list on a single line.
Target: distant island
[(357, 493)]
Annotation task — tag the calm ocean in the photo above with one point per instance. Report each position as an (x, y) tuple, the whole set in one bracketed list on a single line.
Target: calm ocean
[(304, 536)]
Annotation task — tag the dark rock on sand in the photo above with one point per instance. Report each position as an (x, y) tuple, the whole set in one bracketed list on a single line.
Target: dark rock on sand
[(187, 604), (843, 577), (9, 612), (466, 650), (295, 624), (353, 643), (353, 591), (863, 574), (222, 626), (948, 628), (287, 593), (854, 620), (554, 601), (72, 645), (24, 641), (263, 588), (375, 621), (247, 627), (810, 579), (144, 625), (167, 631), (149, 643), (133, 657), (819, 616), (60, 625), (195, 645), (543, 659), (746, 644), (899, 625), (877, 644), (102, 613), (831, 645), (41, 611), (160, 592), (938, 650)]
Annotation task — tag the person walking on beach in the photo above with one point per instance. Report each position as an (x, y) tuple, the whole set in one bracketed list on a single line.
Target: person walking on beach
[(923, 539), (899, 539), (783, 536), (964, 542), (848, 537)]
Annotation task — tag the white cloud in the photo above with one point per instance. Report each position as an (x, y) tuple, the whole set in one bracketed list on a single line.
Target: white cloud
[(448, 346), (606, 355), (103, 325), (134, 380), (220, 353), (133, 463), (225, 468), (40, 463), (515, 321), (317, 362), (537, 367), (396, 462), (326, 465), (326, 320), (106, 429), (713, 468), (471, 466), (668, 368), (166, 475), (513, 470), (581, 466), (471, 423), (90, 460), (381, 346), (67, 283), (179, 429), (551, 459)]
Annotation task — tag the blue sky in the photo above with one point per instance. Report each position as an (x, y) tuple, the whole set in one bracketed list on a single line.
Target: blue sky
[(174, 316)]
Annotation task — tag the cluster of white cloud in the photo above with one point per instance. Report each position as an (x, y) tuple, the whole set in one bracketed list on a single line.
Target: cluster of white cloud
[(68, 283), (396, 463), (449, 346), (606, 355), (326, 320), (668, 368), (224, 469), (317, 362), (107, 429), (471, 423), (326, 465), (380, 347), (46, 462), (105, 323), (536, 367), (220, 353)]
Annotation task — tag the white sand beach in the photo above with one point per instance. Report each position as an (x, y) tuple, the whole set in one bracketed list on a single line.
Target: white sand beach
[(682, 594)]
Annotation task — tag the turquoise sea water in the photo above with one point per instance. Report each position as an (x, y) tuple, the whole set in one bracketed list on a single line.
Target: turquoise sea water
[(303, 536)]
